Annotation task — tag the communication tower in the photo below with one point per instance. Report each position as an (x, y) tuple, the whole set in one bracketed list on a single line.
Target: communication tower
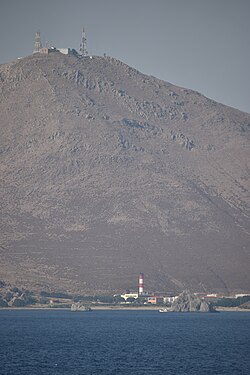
[(38, 43), (83, 45)]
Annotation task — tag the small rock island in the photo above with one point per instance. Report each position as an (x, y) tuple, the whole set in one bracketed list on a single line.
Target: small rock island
[(78, 306), (188, 302)]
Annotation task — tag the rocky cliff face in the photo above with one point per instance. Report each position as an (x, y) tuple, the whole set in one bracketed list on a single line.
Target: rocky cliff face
[(13, 297), (107, 172), (188, 302)]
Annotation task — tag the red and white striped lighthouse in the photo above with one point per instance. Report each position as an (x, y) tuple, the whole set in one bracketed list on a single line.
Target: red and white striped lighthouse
[(141, 286)]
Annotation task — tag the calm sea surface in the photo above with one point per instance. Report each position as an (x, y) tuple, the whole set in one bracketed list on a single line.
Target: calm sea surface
[(123, 342)]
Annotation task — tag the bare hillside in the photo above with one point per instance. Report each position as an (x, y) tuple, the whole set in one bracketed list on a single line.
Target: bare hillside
[(106, 172)]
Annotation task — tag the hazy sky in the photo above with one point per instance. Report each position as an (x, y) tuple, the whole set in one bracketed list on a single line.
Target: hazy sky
[(199, 44)]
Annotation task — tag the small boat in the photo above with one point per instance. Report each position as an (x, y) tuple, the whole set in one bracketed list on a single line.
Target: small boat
[(163, 310)]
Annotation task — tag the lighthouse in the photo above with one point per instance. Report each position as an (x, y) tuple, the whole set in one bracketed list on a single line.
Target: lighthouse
[(141, 286)]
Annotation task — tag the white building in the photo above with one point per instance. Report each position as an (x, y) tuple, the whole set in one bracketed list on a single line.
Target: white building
[(67, 51), (129, 295)]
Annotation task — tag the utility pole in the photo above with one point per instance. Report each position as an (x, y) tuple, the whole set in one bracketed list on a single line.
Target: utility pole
[(83, 45), (38, 43)]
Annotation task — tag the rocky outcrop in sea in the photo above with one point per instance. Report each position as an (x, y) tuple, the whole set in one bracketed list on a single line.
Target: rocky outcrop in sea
[(188, 302), (78, 306)]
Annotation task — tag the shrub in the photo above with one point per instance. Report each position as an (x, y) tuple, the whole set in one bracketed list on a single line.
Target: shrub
[(3, 303)]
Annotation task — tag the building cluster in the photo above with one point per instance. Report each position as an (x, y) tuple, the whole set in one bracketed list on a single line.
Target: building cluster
[(147, 297), (38, 47), (164, 298)]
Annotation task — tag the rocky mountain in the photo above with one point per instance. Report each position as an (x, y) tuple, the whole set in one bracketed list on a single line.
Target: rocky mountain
[(107, 172)]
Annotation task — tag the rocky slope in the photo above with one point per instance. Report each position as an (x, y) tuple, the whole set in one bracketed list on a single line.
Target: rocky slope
[(106, 172)]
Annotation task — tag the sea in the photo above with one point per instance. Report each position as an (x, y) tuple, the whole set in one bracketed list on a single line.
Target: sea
[(60, 342)]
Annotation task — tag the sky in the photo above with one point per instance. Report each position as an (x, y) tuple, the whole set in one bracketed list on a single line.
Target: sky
[(202, 45)]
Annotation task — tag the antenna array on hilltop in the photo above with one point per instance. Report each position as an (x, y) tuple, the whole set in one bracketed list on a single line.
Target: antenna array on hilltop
[(38, 48)]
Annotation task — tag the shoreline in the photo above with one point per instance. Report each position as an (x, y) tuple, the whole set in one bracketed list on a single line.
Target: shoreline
[(236, 309), (93, 308), (118, 308)]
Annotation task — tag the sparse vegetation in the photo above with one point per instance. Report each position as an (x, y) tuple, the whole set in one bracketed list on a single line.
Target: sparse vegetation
[(231, 302), (113, 171), (55, 295), (2, 284)]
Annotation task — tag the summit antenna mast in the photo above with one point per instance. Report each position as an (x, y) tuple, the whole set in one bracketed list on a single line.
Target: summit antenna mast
[(83, 45), (38, 43)]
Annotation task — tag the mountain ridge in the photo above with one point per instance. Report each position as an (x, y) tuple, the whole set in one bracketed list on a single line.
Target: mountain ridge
[(129, 172)]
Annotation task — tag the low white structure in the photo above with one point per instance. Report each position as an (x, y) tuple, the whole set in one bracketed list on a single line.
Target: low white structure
[(129, 295), (67, 51), (169, 299), (242, 295)]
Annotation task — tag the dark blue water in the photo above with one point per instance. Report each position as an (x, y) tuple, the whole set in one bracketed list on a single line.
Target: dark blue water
[(123, 342)]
